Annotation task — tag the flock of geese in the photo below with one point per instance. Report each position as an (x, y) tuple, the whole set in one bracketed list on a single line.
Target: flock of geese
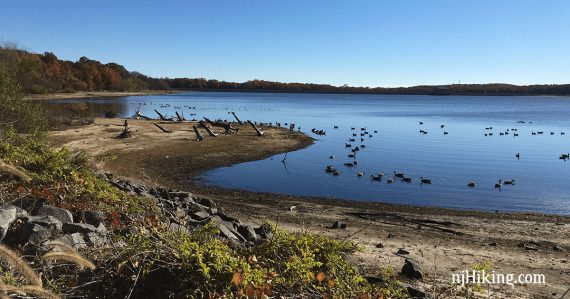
[(422, 180)]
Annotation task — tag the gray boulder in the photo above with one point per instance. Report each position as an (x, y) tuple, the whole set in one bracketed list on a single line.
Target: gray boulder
[(92, 217), (248, 232), (74, 240), (83, 228), (8, 214), (62, 215), (29, 233), (45, 221)]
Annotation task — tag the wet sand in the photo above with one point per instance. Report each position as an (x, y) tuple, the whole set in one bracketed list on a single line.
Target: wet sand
[(444, 241)]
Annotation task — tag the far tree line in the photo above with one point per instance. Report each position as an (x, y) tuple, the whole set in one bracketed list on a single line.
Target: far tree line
[(45, 73)]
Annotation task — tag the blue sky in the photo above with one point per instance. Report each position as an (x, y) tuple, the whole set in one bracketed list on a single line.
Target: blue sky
[(360, 43)]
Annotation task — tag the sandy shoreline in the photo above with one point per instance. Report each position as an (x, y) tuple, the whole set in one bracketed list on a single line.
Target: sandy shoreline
[(95, 94), (443, 240)]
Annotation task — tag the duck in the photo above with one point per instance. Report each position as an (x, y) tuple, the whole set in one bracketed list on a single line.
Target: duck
[(518, 155), (407, 179), (349, 164), (442, 126), (398, 175), (499, 184), (329, 169), (509, 182), (421, 122), (390, 181), (445, 133), (471, 184), (336, 172), (360, 174), (424, 180), (331, 157), (351, 155), (375, 177)]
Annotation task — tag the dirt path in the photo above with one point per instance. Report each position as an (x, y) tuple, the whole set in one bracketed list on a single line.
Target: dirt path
[(444, 241)]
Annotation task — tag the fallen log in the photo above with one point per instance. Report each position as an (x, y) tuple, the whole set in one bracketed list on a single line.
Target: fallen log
[(199, 136), (162, 129), (226, 126), (238, 120), (259, 132), (138, 115), (162, 117), (210, 132), (180, 118)]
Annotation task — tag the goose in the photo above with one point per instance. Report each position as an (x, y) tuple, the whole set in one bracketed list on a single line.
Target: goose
[(361, 139), (501, 133), (352, 128), (363, 129), (362, 146), (421, 122), (335, 127), (348, 145), (445, 133), (507, 133), (329, 169), (390, 181), (398, 175), (562, 133), (375, 177), (518, 155), (564, 156), (349, 164), (422, 131), (331, 157), (352, 140), (551, 133), (490, 134), (353, 134), (357, 148), (533, 133), (499, 184), (442, 126), (375, 131), (471, 184), (336, 172), (355, 163), (510, 182), (407, 179), (351, 155), (381, 174), (424, 181), (515, 134), (360, 174)]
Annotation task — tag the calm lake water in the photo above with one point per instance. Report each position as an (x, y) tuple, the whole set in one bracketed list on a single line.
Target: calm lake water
[(451, 161)]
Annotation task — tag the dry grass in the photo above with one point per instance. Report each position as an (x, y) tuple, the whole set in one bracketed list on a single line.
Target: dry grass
[(12, 259), (73, 257), (28, 290), (10, 169)]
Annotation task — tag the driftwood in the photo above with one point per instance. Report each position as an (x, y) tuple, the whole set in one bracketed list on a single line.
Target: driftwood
[(180, 117), (126, 133), (138, 115), (234, 114), (210, 132), (259, 132), (162, 129), (12, 170), (199, 136), (226, 126), (162, 117)]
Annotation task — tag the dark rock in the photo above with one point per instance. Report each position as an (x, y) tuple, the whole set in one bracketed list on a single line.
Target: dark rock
[(62, 215), (225, 232), (123, 185), (339, 225), (226, 217), (196, 207), (92, 217), (374, 279), (207, 202), (45, 221), (84, 228), (391, 236), (200, 216), (180, 195), (413, 291), (403, 251), (8, 214), (379, 245), (264, 231), (248, 232), (74, 240), (412, 269), (492, 244), (31, 205), (29, 233), (558, 248)]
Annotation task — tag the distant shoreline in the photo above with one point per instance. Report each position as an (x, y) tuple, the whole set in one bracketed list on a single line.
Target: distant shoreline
[(115, 94), (95, 94)]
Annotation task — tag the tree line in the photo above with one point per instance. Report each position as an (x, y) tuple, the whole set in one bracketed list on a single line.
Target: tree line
[(45, 73)]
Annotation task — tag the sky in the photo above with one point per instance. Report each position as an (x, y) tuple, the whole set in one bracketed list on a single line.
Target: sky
[(359, 43)]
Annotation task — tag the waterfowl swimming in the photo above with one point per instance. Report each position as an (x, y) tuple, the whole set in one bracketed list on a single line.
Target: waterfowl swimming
[(445, 133), (390, 181), (329, 169), (351, 155), (471, 184), (348, 145), (421, 122), (376, 177), (407, 179), (360, 174), (352, 128), (331, 157), (375, 131), (336, 172), (381, 174), (335, 127), (424, 181), (562, 133), (398, 175), (499, 184), (362, 146), (349, 164), (442, 126), (564, 156), (352, 140), (356, 148), (518, 155), (511, 182)]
